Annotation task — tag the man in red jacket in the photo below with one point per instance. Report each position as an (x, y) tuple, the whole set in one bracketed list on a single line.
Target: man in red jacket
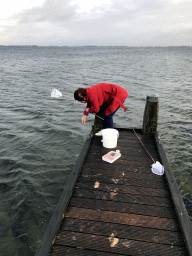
[(104, 99)]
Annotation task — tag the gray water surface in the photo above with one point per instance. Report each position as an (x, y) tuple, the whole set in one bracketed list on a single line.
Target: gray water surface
[(41, 137)]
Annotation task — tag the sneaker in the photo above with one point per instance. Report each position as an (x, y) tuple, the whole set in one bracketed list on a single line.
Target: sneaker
[(99, 133)]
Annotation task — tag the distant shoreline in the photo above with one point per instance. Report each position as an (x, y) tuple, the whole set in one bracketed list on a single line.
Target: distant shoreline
[(88, 46)]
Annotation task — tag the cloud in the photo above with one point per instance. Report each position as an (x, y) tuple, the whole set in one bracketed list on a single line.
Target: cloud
[(122, 22), (39, 24), (51, 11)]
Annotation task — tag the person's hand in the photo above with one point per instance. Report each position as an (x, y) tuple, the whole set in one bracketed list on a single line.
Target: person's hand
[(87, 110), (84, 119)]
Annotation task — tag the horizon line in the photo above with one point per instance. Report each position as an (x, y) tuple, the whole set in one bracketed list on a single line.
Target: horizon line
[(34, 45)]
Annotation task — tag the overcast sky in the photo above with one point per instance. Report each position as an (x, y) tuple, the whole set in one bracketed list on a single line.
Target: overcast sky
[(96, 22)]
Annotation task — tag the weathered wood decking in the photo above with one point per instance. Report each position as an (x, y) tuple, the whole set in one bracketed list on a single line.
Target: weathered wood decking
[(121, 208)]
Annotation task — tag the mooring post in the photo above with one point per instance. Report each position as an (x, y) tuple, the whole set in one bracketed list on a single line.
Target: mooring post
[(150, 118)]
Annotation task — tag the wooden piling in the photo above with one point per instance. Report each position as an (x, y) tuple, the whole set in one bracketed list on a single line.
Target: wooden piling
[(150, 119)]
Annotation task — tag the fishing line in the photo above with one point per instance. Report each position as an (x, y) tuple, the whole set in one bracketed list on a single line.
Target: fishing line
[(156, 167), (143, 145)]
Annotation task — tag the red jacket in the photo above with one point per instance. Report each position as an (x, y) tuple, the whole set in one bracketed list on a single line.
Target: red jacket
[(105, 93)]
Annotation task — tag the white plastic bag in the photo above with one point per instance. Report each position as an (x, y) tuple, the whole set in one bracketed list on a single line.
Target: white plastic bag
[(56, 93), (157, 168)]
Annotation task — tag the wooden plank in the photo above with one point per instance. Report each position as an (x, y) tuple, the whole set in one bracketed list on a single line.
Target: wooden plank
[(136, 144), (123, 231), (129, 152), (116, 245), (147, 141), (127, 158), (126, 149), (113, 172), (129, 142), (121, 168), (122, 218), (129, 164), (72, 251), (147, 162), (104, 205), (117, 196), (124, 189), (123, 181)]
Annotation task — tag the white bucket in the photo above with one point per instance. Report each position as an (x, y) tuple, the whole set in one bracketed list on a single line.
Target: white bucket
[(110, 136)]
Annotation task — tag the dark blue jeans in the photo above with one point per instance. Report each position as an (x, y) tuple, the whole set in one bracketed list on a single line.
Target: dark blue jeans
[(108, 120)]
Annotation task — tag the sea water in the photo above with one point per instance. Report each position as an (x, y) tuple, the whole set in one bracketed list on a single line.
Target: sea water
[(41, 137)]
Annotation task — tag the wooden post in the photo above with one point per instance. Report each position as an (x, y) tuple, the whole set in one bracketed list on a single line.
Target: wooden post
[(150, 118)]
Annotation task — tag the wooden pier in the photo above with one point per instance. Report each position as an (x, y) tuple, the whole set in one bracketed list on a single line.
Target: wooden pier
[(120, 208)]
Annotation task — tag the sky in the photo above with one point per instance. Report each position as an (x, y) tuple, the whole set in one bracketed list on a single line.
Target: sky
[(96, 22)]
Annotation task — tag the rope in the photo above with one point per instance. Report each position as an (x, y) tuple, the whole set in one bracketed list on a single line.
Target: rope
[(143, 145), (99, 117)]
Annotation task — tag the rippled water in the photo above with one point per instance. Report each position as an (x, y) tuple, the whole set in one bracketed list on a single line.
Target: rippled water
[(41, 137)]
